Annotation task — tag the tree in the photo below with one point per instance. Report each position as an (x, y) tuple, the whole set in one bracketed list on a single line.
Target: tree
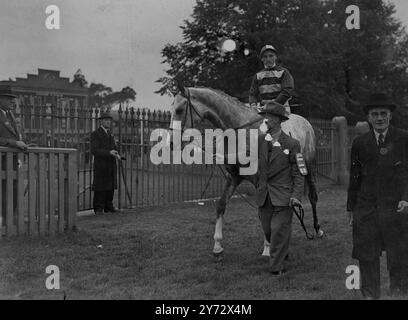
[(333, 67), (126, 95), (98, 93), (103, 96), (80, 79)]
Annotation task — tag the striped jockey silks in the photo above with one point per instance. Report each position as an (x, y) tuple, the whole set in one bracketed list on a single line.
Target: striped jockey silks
[(271, 84)]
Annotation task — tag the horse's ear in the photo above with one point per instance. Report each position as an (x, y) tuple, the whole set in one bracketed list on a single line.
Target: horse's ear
[(181, 88)]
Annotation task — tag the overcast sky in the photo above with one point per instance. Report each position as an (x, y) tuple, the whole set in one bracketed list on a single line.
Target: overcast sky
[(116, 42)]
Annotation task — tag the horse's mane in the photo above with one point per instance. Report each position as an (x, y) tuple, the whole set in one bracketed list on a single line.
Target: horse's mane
[(229, 99)]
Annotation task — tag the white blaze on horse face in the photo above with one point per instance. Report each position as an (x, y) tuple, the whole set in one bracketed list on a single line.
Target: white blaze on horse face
[(252, 160)]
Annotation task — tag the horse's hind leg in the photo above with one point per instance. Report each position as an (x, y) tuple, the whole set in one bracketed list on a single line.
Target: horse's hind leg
[(230, 186), (313, 198)]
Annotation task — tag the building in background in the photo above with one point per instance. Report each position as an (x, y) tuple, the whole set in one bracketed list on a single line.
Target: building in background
[(48, 88), (51, 108)]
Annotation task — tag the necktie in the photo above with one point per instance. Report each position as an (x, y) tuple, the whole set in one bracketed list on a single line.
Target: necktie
[(11, 120), (381, 140), (108, 132)]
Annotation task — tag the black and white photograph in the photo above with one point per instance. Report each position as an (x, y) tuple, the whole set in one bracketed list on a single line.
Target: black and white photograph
[(204, 155)]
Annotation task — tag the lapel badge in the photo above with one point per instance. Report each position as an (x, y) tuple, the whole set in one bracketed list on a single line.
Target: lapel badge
[(383, 151), (268, 137), (276, 144), (286, 151), (7, 123), (301, 164)]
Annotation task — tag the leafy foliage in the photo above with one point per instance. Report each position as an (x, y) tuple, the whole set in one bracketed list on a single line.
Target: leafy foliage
[(80, 79), (333, 67), (101, 95)]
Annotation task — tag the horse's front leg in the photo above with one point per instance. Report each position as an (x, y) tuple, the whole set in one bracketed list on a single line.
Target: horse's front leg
[(229, 189), (267, 247)]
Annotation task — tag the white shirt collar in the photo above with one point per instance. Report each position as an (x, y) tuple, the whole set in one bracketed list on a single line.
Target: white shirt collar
[(104, 129), (4, 112), (377, 134)]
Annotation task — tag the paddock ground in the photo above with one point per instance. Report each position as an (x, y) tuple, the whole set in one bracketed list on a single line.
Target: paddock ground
[(166, 253)]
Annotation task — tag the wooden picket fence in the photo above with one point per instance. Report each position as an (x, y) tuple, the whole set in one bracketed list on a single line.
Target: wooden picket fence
[(38, 191)]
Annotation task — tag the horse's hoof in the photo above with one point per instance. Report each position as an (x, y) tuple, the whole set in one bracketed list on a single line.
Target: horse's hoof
[(320, 234), (218, 256)]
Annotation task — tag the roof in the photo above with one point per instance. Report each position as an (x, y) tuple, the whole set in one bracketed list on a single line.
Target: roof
[(46, 80)]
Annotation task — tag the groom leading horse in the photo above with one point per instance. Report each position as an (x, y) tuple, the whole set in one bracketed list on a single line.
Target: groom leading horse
[(280, 184), (191, 106)]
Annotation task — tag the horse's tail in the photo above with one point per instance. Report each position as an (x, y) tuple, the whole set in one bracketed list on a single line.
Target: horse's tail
[(310, 180), (310, 184)]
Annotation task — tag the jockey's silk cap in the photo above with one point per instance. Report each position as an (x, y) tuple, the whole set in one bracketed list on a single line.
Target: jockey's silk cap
[(6, 91), (274, 108), (379, 100), (266, 48), (105, 115)]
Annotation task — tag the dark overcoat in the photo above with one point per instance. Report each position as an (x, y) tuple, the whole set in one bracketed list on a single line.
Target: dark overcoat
[(378, 181), (9, 132), (105, 169), (9, 135), (279, 175)]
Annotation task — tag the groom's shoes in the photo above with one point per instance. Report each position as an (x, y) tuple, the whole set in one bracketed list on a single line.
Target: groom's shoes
[(278, 273)]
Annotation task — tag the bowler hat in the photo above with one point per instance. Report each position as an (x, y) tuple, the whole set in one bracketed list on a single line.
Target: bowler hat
[(105, 115), (276, 109), (379, 100), (5, 91)]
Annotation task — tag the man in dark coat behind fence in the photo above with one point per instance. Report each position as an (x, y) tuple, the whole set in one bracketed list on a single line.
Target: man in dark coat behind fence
[(10, 137), (104, 150), (377, 199)]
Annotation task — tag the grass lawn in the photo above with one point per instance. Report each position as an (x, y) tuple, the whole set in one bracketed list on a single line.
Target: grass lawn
[(166, 253)]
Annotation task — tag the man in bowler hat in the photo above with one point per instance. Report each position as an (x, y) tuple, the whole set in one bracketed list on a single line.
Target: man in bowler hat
[(10, 137), (104, 150), (377, 199), (280, 185)]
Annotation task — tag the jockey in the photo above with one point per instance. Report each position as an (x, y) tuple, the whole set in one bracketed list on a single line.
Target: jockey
[(272, 84)]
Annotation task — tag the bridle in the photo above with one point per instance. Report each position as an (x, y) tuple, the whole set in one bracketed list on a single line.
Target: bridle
[(190, 108)]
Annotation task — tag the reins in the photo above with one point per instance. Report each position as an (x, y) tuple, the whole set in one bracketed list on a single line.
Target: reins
[(301, 214)]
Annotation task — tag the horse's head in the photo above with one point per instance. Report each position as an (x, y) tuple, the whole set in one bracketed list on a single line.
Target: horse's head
[(186, 109)]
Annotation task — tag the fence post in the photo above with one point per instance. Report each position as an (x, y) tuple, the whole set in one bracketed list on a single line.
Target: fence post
[(340, 145)]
